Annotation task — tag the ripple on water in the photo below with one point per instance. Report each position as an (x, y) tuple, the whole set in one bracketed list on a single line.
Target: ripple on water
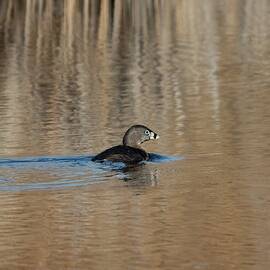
[(57, 172)]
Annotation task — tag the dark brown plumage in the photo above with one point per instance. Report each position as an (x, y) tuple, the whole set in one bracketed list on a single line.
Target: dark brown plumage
[(130, 151)]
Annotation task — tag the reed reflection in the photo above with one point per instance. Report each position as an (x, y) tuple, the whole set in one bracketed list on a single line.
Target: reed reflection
[(85, 64)]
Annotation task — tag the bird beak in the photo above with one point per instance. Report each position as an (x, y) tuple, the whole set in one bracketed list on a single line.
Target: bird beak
[(153, 136)]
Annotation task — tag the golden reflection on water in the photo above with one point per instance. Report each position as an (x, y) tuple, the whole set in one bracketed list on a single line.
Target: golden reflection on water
[(83, 67), (75, 74)]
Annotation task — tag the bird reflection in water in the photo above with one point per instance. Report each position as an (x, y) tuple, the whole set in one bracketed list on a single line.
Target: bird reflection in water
[(139, 175)]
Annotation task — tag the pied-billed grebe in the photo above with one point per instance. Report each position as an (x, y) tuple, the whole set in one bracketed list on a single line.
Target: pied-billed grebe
[(130, 151)]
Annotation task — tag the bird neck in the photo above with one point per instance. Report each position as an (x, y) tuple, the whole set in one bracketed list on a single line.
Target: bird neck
[(130, 141)]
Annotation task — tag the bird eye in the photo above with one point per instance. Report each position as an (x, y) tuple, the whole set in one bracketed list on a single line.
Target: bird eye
[(147, 132)]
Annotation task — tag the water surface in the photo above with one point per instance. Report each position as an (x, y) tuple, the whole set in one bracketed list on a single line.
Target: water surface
[(74, 75)]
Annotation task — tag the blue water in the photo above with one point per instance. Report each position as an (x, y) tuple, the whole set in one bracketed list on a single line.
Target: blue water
[(64, 171)]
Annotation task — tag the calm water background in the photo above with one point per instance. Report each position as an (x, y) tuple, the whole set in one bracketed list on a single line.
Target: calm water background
[(74, 75)]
